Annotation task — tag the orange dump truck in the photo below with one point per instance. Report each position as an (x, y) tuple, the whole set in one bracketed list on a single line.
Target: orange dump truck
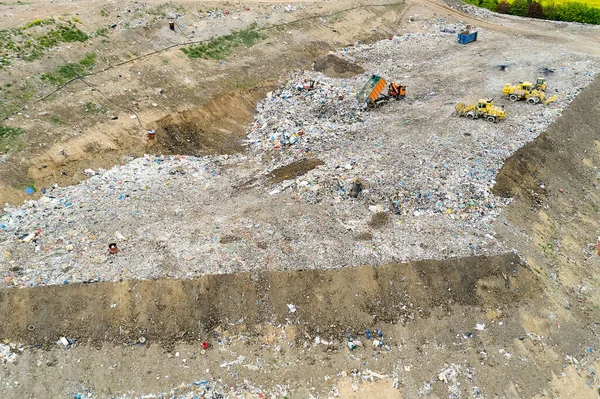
[(371, 92)]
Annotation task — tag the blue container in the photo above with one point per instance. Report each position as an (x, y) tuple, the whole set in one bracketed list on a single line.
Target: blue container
[(466, 37)]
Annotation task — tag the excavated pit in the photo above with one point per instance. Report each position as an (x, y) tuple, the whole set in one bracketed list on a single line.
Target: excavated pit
[(216, 127)]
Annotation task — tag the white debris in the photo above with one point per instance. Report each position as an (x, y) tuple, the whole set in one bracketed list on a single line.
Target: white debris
[(6, 354)]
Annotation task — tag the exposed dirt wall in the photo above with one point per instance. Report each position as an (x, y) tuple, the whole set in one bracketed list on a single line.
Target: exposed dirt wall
[(334, 301)]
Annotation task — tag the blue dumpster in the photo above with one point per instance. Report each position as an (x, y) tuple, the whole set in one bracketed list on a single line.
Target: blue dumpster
[(467, 37)]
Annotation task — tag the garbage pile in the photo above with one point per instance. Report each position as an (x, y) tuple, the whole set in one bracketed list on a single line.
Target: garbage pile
[(6, 354), (401, 182), (306, 113)]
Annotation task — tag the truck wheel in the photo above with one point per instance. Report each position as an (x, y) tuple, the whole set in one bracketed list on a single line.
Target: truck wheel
[(532, 100), (470, 115), (370, 103), (491, 119), (513, 97)]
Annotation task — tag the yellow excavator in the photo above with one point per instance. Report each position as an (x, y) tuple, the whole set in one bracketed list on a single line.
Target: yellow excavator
[(483, 109), (532, 93)]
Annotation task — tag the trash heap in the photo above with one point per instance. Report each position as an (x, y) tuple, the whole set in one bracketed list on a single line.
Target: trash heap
[(307, 113), (424, 177)]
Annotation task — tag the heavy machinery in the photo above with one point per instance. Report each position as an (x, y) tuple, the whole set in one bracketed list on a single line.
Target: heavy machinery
[(371, 92), (483, 109), (532, 93)]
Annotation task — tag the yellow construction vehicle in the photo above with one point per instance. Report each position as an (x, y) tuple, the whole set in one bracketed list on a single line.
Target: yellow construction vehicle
[(483, 109), (533, 93)]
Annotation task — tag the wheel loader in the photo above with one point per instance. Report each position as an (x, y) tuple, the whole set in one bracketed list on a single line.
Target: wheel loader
[(532, 93), (483, 109)]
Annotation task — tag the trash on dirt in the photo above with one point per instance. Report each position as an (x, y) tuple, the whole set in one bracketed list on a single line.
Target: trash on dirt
[(480, 326), (291, 308), (6, 354), (29, 190)]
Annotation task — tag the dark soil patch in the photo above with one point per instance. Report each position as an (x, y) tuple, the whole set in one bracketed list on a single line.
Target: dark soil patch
[(213, 128), (364, 236), (336, 67), (379, 220), (295, 169)]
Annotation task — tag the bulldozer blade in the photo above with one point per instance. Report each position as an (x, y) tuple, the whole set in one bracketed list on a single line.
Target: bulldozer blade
[(551, 99)]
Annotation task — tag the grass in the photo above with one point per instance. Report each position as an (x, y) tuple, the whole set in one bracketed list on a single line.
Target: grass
[(93, 108), (57, 121), (220, 47), (69, 71), (101, 32), (7, 136), (33, 38)]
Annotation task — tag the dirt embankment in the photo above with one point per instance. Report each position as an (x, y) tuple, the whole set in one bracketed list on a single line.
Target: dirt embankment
[(554, 221), (329, 301)]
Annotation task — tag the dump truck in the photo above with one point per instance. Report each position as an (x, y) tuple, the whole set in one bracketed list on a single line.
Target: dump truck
[(466, 36), (532, 93), (371, 95), (483, 109)]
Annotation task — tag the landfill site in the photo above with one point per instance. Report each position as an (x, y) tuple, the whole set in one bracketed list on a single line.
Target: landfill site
[(371, 200)]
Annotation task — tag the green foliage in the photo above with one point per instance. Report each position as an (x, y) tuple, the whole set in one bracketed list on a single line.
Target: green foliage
[(34, 55), (7, 136), (89, 60), (101, 32), (519, 7), (93, 108), (71, 70), (489, 4), (34, 37), (220, 47), (71, 34), (569, 11), (57, 120)]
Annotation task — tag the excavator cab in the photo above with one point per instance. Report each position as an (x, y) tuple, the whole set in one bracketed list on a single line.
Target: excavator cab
[(484, 105), (540, 84)]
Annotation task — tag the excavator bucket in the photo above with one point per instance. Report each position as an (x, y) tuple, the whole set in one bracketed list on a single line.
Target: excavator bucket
[(550, 100)]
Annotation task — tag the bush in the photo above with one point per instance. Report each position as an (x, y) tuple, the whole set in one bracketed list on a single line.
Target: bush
[(503, 7), (220, 47), (519, 7), (535, 10)]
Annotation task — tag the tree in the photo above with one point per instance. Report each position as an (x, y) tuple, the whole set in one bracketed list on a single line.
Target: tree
[(535, 10), (503, 7)]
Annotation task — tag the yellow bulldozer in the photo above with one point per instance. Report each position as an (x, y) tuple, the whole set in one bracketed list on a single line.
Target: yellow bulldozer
[(532, 93), (483, 109)]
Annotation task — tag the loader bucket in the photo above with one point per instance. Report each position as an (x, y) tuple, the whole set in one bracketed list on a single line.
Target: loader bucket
[(550, 100)]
